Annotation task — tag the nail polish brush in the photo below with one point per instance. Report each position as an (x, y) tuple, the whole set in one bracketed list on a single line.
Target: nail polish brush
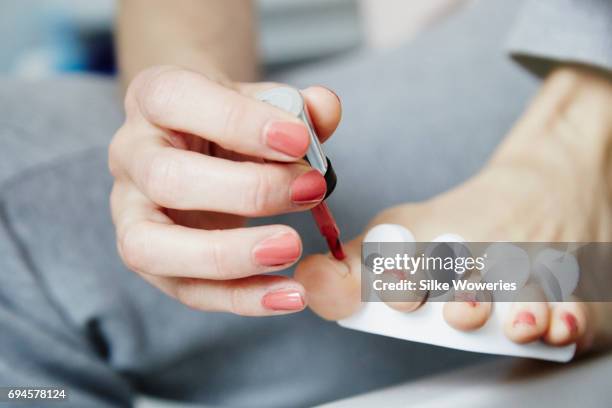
[(290, 100)]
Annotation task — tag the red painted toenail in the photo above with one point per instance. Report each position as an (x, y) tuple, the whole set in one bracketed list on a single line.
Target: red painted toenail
[(467, 297), (570, 321), (524, 318)]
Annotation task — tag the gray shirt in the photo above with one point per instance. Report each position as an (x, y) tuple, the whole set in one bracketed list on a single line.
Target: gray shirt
[(551, 32)]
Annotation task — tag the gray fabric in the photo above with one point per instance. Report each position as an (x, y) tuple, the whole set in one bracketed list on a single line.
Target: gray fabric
[(556, 31), (417, 121), (511, 383)]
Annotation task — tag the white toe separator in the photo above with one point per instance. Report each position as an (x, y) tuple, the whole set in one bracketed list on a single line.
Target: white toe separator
[(427, 325)]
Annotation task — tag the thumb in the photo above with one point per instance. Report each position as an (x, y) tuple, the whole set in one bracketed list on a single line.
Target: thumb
[(323, 104)]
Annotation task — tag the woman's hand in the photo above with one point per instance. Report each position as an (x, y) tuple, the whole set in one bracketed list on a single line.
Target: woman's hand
[(192, 161), (549, 181)]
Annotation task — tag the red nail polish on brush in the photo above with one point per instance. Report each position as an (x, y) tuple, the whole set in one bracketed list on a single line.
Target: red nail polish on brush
[(328, 228), (290, 100)]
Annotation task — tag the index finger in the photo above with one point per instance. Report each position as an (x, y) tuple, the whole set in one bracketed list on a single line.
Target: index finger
[(186, 101)]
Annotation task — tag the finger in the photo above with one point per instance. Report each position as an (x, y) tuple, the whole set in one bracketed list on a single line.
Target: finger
[(186, 101), (265, 295), (568, 323), (252, 296), (527, 321), (185, 180), (469, 310), (325, 110), (129, 205), (173, 250), (324, 106), (165, 249), (333, 287)]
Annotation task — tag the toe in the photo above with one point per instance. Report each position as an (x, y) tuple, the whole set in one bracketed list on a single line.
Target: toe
[(405, 307), (527, 321), (402, 301), (468, 315), (333, 288), (567, 324)]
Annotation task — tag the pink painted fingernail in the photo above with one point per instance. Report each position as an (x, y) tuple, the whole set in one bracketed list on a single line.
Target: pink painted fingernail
[(283, 300), (524, 317), (570, 321), (288, 137), (308, 188), (277, 250), (334, 93)]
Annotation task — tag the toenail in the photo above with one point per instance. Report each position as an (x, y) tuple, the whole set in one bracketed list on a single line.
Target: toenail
[(524, 317), (570, 321), (469, 298)]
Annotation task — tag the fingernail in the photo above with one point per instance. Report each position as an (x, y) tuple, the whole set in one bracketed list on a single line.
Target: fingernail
[(283, 300), (334, 93), (277, 250), (308, 188), (288, 138), (524, 317), (570, 321)]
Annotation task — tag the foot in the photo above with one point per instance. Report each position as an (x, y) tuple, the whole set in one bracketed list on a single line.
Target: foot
[(541, 186), (334, 287)]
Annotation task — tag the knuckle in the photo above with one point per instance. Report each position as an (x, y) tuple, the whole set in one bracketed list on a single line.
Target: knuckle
[(217, 257), (136, 86), (186, 294), (162, 178), (133, 247), (260, 190), (114, 154), (114, 201), (157, 91), (221, 258), (238, 301), (234, 113)]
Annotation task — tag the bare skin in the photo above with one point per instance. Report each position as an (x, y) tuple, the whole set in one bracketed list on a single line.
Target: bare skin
[(188, 70), (217, 38), (198, 155), (549, 181)]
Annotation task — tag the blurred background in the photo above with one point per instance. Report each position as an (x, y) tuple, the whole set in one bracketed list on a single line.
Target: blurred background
[(45, 38)]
